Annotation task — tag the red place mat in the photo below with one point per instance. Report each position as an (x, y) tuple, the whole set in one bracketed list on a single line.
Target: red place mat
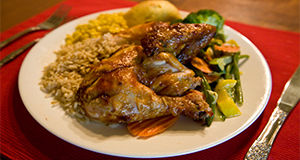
[(23, 138)]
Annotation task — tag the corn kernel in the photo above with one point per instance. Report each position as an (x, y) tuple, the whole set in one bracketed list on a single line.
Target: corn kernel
[(104, 23)]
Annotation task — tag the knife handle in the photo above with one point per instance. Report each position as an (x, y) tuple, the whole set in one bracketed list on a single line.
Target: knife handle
[(18, 35), (17, 52), (261, 148)]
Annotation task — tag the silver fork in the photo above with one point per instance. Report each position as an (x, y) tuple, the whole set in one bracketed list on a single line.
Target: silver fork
[(19, 51), (53, 21)]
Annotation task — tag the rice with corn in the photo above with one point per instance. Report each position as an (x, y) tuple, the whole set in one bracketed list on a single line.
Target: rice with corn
[(62, 78)]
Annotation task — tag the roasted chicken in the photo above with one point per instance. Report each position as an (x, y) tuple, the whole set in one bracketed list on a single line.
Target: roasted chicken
[(114, 92), (148, 81)]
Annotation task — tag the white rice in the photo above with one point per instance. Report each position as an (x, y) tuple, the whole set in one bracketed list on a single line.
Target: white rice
[(62, 78)]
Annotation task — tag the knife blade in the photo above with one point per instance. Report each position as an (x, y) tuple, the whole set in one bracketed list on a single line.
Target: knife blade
[(289, 98)]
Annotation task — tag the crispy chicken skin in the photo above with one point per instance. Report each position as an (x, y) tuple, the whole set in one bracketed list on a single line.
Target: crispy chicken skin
[(134, 34), (184, 41), (116, 91)]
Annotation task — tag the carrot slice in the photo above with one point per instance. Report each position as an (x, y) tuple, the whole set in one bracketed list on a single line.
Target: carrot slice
[(152, 127), (211, 78), (201, 65), (208, 56), (227, 48)]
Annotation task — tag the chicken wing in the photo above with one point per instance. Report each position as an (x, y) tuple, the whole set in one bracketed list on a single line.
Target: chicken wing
[(184, 41)]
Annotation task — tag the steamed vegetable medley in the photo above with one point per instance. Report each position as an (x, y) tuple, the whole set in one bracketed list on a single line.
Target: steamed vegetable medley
[(217, 65)]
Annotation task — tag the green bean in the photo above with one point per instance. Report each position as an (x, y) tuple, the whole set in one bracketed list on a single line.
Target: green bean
[(238, 86), (212, 104), (219, 115), (209, 97), (228, 71), (243, 56)]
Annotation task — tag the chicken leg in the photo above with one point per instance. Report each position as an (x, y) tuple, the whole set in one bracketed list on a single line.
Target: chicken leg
[(114, 93)]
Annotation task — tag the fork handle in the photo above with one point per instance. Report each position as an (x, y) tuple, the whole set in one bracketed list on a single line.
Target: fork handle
[(17, 52), (18, 35)]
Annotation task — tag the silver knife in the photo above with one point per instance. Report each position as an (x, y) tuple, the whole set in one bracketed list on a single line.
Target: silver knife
[(289, 98), (17, 52)]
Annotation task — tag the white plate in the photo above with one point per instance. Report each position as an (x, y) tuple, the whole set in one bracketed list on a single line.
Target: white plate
[(184, 137)]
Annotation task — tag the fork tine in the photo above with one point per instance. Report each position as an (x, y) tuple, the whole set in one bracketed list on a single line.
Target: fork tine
[(64, 13), (59, 14), (62, 10), (53, 15), (57, 17), (67, 19)]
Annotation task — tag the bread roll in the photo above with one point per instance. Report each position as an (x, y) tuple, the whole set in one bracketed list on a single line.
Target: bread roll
[(151, 10)]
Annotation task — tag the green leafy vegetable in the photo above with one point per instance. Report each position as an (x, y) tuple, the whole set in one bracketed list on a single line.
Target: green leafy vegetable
[(206, 16)]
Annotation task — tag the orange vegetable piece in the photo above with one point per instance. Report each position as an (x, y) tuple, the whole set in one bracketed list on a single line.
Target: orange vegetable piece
[(211, 78), (152, 127), (208, 56), (227, 48), (201, 65)]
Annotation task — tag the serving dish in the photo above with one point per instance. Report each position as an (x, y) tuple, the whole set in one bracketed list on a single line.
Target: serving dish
[(184, 137)]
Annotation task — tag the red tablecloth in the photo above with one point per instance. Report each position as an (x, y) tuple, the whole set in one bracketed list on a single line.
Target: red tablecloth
[(23, 138)]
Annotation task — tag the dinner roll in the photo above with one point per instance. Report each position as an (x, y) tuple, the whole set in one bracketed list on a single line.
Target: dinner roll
[(151, 10)]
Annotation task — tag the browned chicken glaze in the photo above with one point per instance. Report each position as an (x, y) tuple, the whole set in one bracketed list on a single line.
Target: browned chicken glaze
[(167, 76), (134, 34), (148, 81), (114, 92), (182, 40)]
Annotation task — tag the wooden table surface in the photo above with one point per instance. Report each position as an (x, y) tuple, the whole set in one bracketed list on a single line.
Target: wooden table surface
[(276, 14)]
